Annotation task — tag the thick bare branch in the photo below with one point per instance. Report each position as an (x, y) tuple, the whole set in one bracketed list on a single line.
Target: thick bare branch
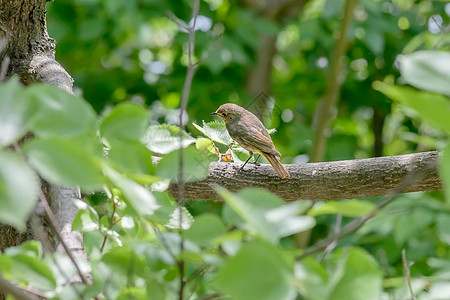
[(322, 181)]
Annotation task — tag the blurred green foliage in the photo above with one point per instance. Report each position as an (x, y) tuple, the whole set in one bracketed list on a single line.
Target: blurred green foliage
[(129, 59), (132, 51)]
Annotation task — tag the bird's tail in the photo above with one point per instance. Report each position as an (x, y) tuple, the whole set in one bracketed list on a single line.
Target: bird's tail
[(276, 165)]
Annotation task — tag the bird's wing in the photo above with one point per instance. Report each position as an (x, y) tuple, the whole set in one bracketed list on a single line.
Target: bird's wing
[(258, 140)]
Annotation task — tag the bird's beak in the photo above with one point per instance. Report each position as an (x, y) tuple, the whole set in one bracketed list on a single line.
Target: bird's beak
[(213, 114)]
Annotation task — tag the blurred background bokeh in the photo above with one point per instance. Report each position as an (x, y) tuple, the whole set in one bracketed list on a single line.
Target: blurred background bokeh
[(277, 51)]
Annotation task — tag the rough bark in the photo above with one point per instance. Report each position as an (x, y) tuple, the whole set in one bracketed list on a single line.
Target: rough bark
[(31, 55), (322, 181)]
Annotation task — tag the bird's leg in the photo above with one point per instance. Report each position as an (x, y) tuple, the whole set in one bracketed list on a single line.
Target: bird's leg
[(256, 161), (251, 155)]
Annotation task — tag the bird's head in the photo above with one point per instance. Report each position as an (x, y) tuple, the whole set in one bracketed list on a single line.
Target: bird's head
[(228, 112)]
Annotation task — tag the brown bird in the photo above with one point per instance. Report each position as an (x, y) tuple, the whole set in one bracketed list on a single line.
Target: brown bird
[(246, 129)]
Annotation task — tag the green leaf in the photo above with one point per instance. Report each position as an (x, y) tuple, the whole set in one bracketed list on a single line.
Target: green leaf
[(427, 70), (443, 228), (206, 146), (64, 162), (251, 207), (86, 218), (216, 131), (125, 122), (407, 226), (155, 290), (258, 271), (141, 199), (195, 165), (133, 293), (165, 138), (266, 214), (60, 113), (131, 157), (205, 229), (312, 278), (347, 208), (29, 248), (357, 277), (19, 188), (286, 221), (119, 259), (30, 270), (444, 171), (167, 206), (433, 109), (186, 219), (17, 112)]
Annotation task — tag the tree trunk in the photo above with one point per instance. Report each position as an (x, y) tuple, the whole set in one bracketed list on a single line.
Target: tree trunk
[(30, 53)]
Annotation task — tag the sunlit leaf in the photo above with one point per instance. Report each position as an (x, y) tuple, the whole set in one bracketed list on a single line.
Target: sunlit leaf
[(195, 165), (133, 293), (165, 138), (126, 122), (86, 218), (265, 213), (64, 162), (347, 208), (216, 131), (427, 70), (131, 157), (141, 199), (432, 108), (60, 113), (205, 229), (206, 146), (19, 188), (184, 218)]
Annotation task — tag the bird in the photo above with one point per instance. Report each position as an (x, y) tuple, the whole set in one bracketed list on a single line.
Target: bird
[(249, 132)]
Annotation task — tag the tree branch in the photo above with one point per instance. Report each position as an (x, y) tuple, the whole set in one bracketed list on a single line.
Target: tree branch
[(16, 292), (32, 56), (322, 181)]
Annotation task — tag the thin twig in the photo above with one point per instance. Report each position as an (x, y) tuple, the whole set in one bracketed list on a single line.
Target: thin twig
[(54, 225), (332, 244), (111, 224), (407, 274), (37, 226), (183, 106), (200, 270), (16, 292), (385, 265)]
